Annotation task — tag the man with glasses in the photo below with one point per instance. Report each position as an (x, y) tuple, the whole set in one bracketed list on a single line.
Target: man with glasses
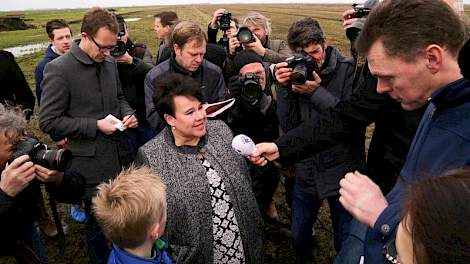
[(80, 90)]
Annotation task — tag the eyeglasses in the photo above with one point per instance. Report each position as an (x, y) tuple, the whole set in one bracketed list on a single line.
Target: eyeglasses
[(100, 48), (390, 252)]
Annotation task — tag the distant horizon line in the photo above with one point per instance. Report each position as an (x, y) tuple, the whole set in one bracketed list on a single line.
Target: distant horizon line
[(309, 2)]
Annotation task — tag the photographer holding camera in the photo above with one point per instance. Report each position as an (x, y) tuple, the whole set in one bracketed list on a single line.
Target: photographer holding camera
[(254, 114), (21, 176), (255, 35), (315, 79), (223, 20), (134, 61)]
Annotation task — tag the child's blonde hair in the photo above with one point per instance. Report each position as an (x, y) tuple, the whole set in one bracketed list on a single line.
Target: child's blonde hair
[(128, 206)]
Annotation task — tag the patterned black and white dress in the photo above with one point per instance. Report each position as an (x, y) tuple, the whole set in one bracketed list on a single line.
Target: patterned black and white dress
[(228, 247)]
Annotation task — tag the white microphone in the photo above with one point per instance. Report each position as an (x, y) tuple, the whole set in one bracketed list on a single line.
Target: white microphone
[(243, 145)]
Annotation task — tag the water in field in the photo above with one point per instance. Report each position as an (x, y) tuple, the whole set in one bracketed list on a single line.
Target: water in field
[(132, 19), (19, 51)]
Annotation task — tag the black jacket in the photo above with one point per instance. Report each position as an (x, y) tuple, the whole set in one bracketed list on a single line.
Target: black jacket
[(259, 121), (320, 173), (18, 213), (132, 78), (15, 90), (394, 131)]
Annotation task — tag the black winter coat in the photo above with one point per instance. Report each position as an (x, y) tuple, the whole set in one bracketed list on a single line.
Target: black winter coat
[(15, 90)]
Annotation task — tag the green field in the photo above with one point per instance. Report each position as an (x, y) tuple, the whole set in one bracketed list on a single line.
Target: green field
[(278, 247)]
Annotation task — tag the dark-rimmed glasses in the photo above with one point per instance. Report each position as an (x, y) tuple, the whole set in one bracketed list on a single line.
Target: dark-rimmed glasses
[(100, 48)]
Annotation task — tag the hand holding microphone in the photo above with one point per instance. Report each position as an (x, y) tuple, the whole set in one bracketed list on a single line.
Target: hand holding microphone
[(258, 154)]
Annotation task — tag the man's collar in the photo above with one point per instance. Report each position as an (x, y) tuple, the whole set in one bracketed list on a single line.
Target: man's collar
[(79, 54), (451, 93)]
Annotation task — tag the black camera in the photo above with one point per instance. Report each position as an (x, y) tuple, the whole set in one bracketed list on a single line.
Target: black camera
[(302, 66), (120, 48), (251, 88), (245, 35), (41, 155), (225, 20), (360, 11)]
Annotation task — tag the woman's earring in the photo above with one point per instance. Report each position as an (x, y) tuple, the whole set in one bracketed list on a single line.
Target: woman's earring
[(173, 127)]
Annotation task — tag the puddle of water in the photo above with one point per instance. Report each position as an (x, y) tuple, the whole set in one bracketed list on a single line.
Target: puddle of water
[(19, 51), (132, 19)]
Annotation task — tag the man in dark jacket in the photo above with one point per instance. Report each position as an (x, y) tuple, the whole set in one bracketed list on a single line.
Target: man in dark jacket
[(188, 41), (133, 66), (15, 89), (20, 191), (83, 100), (254, 115), (418, 74), (163, 23), (318, 176), (60, 39)]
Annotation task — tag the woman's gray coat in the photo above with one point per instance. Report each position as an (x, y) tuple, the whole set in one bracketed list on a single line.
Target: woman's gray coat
[(189, 226)]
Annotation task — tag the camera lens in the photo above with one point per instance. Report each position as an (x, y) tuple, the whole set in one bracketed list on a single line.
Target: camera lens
[(53, 159), (299, 74), (119, 49), (244, 35)]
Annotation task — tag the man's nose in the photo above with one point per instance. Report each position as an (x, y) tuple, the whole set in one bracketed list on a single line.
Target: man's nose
[(382, 86)]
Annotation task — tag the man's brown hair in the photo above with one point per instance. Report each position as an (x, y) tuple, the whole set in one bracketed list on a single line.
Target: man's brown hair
[(186, 31), (167, 18), (54, 24), (128, 206), (406, 27), (96, 18)]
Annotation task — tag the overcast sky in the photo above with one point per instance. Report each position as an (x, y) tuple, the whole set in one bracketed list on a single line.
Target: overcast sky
[(6, 5)]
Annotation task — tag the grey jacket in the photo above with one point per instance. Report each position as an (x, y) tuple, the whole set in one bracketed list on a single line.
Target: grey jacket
[(320, 174), (208, 75), (76, 93), (189, 226), (276, 51)]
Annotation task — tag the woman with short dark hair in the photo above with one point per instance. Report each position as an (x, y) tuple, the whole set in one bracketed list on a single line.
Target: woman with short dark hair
[(212, 213)]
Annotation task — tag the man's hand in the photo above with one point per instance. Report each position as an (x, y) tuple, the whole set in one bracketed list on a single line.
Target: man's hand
[(282, 73), (17, 175), (256, 46), (348, 20), (47, 175), (215, 18), (125, 59), (130, 121), (263, 153), (309, 86), (107, 126), (362, 198), (233, 44)]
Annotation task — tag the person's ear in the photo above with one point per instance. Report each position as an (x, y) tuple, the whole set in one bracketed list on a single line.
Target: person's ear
[(155, 232), (177, 49), (326, 41), (434, 55), (170, 120)]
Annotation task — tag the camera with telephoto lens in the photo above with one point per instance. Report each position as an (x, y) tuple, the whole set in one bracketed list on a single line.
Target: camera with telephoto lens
[(225, 20), (41, 155), (302, 67), (360, 11), (120, 48), (245, 35), (251, 88)]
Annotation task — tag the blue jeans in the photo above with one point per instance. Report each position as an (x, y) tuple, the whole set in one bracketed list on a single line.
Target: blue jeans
[(98, 247), (305, 207), (353, 246)]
